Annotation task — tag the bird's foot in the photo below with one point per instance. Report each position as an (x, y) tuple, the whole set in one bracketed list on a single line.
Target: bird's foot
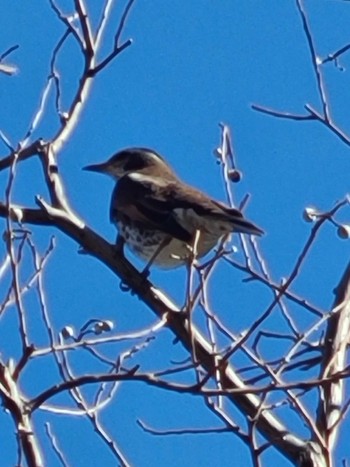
[(145, 273), (124, 287), (144, 276)]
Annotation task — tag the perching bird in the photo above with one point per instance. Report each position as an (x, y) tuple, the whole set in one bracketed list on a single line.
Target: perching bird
[(158, 215)]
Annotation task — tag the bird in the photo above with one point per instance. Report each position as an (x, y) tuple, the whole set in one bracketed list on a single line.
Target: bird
[(158, 216)]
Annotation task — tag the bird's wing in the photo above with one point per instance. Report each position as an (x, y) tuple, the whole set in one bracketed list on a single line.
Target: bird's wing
[(214, 211), (172, 198), (140, 199), (239, 222), (162, 203)]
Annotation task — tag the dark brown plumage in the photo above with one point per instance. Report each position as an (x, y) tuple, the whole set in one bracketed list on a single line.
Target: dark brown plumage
[(157, 215)]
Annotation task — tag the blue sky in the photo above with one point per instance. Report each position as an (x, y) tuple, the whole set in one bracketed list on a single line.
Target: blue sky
[(192, 65)]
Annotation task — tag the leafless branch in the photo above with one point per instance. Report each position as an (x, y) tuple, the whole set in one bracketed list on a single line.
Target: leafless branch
[(55, 446), (279, 114), (184, 431), (5, 67), (335, 55), (315, 61), (117, 48), (334, 361)]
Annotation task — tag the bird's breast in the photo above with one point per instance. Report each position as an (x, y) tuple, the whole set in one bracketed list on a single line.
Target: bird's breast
[(145, 242)]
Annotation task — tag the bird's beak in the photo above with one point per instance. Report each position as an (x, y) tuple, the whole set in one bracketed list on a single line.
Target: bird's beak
[(101, 168)]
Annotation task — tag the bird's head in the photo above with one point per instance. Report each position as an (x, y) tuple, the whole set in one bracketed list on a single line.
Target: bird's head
[(134, 160)]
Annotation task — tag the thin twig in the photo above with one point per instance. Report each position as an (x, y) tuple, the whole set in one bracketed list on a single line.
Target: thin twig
[(315, 61)]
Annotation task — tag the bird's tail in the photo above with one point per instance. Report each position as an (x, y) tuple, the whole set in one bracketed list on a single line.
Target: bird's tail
[(239, 223), (242, 225)]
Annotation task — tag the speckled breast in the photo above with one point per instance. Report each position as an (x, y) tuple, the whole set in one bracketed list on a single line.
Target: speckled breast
[(145, 242)]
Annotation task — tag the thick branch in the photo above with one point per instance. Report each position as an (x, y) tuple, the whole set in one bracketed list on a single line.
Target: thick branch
[(14, 403), (296, 449), (334, 361)]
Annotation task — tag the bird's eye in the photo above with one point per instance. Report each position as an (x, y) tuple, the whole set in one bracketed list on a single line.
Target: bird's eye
[(131, 164)]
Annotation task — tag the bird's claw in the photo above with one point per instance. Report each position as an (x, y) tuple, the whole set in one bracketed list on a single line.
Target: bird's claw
[(145, 273), (124, 287)]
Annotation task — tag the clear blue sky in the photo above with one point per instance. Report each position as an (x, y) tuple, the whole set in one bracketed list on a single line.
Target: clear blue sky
[(192, 65)]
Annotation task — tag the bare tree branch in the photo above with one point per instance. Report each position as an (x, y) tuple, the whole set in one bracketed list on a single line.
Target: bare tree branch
[(336, 344)]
